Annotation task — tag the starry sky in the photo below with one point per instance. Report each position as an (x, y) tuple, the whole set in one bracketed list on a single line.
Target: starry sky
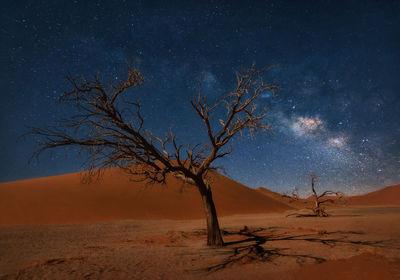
[(338, 64)]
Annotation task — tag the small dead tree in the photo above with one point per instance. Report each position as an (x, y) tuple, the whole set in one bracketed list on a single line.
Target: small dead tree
[(295, 194), (321, 199), (110, 128)]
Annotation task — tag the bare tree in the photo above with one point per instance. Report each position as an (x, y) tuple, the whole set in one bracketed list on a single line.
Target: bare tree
[(111, 130), (321, 199), (295, 194)]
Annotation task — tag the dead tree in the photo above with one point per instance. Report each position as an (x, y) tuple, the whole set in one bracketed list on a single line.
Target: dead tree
[(321, 199), (295, 194), (109, 126)]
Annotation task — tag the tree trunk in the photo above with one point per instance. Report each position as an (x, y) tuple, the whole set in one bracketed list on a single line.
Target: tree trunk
[(317, 209), (214, 237), (316, 205)]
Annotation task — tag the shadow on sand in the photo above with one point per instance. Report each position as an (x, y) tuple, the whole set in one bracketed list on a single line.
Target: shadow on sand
[(252, 247)]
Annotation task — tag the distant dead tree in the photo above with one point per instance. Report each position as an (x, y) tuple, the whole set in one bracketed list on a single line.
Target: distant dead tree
[(321, 199), (111, 130), (295, 194)]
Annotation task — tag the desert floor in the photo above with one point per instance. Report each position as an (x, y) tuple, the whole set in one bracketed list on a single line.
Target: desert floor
[(354, 243)]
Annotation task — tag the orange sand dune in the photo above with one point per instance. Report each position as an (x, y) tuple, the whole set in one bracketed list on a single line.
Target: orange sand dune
[(64, 199), (386, 196), (294, 203)]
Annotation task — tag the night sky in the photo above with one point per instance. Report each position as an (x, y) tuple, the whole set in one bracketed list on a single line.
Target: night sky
[(337, 62)]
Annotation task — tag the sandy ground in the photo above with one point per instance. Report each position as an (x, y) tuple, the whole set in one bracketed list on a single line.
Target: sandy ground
[(354, 243)]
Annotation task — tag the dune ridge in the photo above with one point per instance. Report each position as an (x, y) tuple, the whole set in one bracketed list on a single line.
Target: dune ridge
[(386, 196), (64, 199)]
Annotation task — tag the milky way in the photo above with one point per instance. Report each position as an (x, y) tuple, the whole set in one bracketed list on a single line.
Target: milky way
[(337, 63)]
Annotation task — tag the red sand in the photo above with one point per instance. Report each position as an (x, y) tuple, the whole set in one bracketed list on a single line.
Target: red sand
[(294, 203), (361, 267), (173, 249), (65, 200), (141, 248), (389, 196), (386, 196)]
